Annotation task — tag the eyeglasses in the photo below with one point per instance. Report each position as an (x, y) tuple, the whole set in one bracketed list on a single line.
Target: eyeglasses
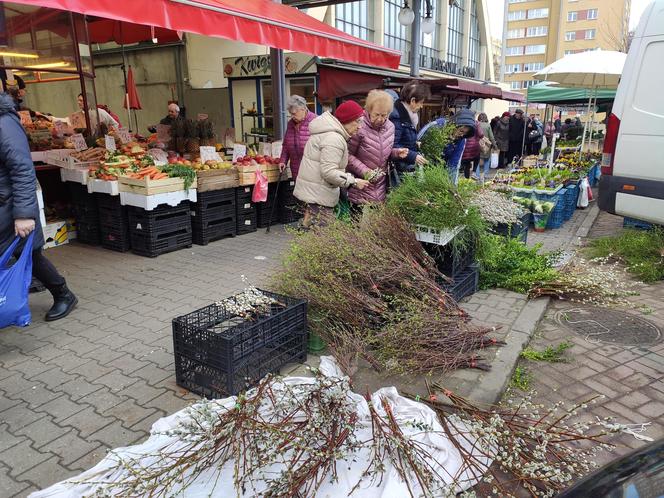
[(377, 115)]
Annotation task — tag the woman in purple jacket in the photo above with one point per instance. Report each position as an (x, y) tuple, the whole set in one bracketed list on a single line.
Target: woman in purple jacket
[(371, 148), (297, 133)]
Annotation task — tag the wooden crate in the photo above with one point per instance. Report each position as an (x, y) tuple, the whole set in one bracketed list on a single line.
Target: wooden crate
[(247, 174), (147, 186), (217, 179)]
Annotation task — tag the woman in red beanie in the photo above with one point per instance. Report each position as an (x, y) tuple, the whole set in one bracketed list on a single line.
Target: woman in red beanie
[(323, 167)]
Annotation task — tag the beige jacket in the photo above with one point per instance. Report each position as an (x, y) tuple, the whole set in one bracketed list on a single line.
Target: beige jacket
[(323, 166)]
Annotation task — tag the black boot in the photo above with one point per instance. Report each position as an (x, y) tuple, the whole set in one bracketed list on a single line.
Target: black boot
[(64, 302)]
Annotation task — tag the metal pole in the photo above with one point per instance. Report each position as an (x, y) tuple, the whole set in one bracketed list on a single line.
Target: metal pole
[(585, 127), (415, 40), (525, 130), (278, 78)]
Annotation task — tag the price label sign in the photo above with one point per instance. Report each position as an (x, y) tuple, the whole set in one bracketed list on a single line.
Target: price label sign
[(25, 117), (77, 120), (159, 156), (124, 136), (62, 128), (79, 142), (239, 150), (110, 143), (163, 133), (276, 148), (209, 154)]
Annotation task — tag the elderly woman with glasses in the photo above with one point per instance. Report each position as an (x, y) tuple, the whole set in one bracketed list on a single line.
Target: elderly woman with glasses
[(297, 133), (371, 148)]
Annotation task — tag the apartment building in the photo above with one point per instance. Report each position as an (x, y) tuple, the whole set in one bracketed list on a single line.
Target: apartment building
[(538, 32)]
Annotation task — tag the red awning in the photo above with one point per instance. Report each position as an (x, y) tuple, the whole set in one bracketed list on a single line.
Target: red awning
[(124, 33), (261, 22), (335, 83), (514, 96)]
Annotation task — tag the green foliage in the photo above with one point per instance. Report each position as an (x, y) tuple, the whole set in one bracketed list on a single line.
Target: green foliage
[(508, 263), (431, 199), (551, 354), (641, 250), (435, 140), (521, 379), (181, 171)]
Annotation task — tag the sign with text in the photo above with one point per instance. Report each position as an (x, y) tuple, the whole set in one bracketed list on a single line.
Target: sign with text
[(276, 148), (163, 133), (209, 154), (159, 156), (110, 143), (265, 149), (77, 120), (259, 65), (79, 142), (124, 135), (239, 150), (25, 117), (62, 128)]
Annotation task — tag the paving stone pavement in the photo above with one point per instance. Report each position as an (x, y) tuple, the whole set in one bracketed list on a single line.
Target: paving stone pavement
[(629, 378), (72, 389)]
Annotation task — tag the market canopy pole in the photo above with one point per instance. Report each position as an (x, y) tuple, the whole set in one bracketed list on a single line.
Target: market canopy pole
[(415, 40)]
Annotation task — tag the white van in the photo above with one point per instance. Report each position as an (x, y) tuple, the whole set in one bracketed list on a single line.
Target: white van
[(632, 182)]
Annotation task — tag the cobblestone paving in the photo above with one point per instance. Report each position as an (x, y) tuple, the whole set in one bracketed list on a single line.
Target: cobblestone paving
[(630, 378), (98, 379)]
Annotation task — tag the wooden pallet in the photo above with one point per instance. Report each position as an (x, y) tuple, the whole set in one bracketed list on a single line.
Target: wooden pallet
[(217, 179), (147, 186)]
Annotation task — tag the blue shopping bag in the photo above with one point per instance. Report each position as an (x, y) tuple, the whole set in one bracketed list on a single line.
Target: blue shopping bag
[(14, 285)]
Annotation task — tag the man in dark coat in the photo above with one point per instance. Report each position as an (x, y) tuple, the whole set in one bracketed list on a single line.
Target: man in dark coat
[(19, 210), (517, 127)]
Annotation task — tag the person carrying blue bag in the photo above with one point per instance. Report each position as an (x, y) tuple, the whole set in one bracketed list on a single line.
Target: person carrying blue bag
[(19, 218)]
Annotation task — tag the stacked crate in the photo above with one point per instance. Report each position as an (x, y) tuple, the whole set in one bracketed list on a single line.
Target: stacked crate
[(213, 216), (289, 209), (164, 229), (268, 208), (113, 223), (245, 211), (86, 214)]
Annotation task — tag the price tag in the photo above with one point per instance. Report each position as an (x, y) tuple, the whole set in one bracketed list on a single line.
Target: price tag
[(61, 128), (209, 154), (239, 150), (163, 133), (79, 142), (25, 117), (110, 143), (77, 120), (276, 148), (159, 156), (265, 149), (124, 136)]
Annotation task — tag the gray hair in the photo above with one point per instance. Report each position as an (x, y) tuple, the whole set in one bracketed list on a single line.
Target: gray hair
[(174, 106), (296, 102)]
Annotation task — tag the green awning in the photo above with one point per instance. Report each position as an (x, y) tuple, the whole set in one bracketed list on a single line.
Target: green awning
[(549, 93)]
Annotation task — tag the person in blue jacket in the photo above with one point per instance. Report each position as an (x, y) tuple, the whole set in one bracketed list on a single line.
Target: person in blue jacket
[(406, 120), (465, 121), (19, 210)]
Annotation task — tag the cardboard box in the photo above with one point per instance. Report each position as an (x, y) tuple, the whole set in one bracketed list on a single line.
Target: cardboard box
[(55, 234)]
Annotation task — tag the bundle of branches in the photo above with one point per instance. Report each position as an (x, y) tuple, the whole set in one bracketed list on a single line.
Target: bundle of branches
[(584, 282), (372, 292), (432, 200), (496, 207), (535, 448), (436, 139)]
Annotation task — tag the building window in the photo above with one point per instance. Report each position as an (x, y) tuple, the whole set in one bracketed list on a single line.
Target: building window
[(474, 47), (535, 49), (514, 51), (455, 32), (570, 36), (528, 83), (572, 16), (512, 68), (568, 52), (353, 18), (592, 14), (538, 13), (428, 42), (516, 15), (530, 67), (515, 85), (395, 33), (537, 31), (515, 33), (590, 34)]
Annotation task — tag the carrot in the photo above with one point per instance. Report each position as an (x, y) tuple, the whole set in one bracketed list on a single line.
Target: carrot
[(151, 169), (160, 176)]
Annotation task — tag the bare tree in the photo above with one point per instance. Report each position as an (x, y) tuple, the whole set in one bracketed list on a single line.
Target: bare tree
[(621, 40)]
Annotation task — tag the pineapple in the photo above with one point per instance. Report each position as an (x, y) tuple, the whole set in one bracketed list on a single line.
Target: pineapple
[(206, 132), (191, 134)]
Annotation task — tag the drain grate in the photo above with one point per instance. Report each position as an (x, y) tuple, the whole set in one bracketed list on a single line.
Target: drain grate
[(609, 326)]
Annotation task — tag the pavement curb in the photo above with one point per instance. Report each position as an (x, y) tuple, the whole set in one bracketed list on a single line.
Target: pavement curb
[(585, 227), (493, 384)]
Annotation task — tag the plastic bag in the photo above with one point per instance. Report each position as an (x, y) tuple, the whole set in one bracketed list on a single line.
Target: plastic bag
[(14, 285), (584, 187), (260, 187), (494, 159)]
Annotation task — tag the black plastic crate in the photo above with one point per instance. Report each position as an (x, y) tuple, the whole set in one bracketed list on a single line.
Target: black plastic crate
[(263, 217), (114, 228), (448, 261), (152, 245), (108, 201), (246, 223), (465, 283), (213, 205), (161, 219), (224, 346), (204, 233), (290, 214), (516, 230), (79, 193), (243, 194), (88, 233)]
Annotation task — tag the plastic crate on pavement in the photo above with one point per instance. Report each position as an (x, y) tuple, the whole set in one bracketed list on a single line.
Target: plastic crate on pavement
[(213, 216), (246, 223), (448, 261), (113, 223), (218, 353), (161, 219), (571, 198), (557, 215), (152, 245), (465, 283), (516, 230)]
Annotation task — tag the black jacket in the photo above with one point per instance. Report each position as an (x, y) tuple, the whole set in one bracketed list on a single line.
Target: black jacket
[(18, 183), (516, 129), (405, 136)]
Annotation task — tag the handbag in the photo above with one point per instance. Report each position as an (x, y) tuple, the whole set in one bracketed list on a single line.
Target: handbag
[(485, 146), (14, 285)]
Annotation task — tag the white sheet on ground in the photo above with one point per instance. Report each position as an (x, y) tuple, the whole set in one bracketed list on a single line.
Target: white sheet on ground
[(218, 482)]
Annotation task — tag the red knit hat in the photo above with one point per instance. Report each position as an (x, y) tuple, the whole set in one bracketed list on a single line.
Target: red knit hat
[(348, 111), (506, 113)]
